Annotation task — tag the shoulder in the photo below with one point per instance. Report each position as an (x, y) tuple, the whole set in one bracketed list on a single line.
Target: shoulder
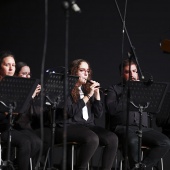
[(115, 87)]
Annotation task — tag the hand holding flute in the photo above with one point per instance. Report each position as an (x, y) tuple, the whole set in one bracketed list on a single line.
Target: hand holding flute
[(94, 89)]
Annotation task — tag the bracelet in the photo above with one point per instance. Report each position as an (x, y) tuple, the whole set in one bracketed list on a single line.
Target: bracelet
[(88, 96)]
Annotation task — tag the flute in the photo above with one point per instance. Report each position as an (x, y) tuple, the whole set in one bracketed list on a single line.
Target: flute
[(92, 83), (100, 88)]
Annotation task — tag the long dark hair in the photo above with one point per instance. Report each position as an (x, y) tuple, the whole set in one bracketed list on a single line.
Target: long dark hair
[(73, 69), (19, 66)]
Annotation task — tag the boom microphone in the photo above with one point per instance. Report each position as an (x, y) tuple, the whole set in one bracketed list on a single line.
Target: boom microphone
[(74, 6), (149, 81)]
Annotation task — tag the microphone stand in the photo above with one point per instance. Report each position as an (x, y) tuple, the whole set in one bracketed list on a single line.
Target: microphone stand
[(129, 40), (128, 90), (66, 5)]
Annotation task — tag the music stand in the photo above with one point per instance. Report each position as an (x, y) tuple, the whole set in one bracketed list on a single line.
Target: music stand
[(145, 97), (54, 95), (15, 94), (164, 112)]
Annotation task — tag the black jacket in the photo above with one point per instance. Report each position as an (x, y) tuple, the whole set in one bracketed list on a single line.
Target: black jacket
[(74, 112)]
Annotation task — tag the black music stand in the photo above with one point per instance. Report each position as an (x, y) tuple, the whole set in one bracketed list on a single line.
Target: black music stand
[(163, 117), (54, 97), (145, 97), (15, 94)]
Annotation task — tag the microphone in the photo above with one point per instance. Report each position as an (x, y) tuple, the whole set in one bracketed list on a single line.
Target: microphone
[(74, 6), (149, 81)]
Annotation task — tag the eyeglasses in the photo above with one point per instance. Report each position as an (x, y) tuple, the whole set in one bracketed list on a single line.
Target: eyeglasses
[(84, 70)]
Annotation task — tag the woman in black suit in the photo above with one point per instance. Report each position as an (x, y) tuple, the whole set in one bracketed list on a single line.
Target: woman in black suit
[(22, 137), (83, 106)]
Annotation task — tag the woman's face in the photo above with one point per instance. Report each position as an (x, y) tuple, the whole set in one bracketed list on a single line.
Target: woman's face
[(25, 72), (83, 72), (7, 67)]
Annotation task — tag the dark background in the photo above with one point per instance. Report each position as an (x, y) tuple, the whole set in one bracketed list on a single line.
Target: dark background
[(94, 35)]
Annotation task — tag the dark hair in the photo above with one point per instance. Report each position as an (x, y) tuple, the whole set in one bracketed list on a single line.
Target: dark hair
[(4, 54), (19, 66), (74, 66), (125, 63)]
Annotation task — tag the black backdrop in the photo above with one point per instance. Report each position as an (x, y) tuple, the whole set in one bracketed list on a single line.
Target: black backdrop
[(95, 35)]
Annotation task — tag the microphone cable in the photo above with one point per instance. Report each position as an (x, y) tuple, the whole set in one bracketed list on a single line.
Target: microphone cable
[(42, 78)]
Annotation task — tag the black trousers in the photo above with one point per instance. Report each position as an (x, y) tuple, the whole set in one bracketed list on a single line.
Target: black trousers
[(89, 139), (158, 143), (28, 146)]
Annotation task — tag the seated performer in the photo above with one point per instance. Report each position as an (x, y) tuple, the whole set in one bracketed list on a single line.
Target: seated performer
[(22, 137), (157, 143), (23, 70), (83, 106)]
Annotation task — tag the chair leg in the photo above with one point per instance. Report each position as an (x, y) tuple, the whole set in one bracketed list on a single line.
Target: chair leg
[(141, 155), (116, 162), (88, 166), (162, 164), (121, 162), (0, 155), (46, 159), (30, 164), (72, 157)]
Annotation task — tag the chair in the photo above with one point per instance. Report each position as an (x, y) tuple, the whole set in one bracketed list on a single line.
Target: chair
[(73, 145), (143, 149)]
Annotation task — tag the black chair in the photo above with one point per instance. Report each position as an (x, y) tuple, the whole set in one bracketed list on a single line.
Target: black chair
[(73, 145)]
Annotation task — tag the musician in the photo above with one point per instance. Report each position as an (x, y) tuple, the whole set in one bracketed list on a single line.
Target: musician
[(158, 143), (22, 137), (23, 70), (83, 106)]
